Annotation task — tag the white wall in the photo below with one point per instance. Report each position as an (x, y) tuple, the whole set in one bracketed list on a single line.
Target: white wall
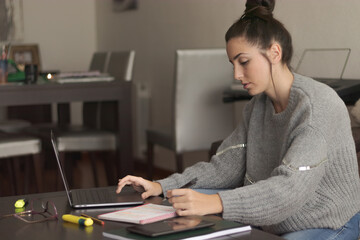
[(65, 31), (159, 27)]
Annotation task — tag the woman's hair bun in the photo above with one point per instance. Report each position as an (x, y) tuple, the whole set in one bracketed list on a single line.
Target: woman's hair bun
[(259, 8)]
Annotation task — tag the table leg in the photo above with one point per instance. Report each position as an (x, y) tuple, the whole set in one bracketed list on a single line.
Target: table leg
[(125, 140)]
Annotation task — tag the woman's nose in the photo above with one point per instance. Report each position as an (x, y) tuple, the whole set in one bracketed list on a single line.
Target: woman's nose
[(238, 73)]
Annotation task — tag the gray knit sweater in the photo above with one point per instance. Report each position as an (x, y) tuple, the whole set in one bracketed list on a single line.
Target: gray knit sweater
[(288, 171)]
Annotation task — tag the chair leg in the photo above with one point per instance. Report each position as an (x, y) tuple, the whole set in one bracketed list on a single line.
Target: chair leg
[(179, 162), (150, 160), (38, 168)]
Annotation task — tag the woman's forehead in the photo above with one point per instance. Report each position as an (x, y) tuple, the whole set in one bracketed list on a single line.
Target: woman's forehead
[(240, 45)]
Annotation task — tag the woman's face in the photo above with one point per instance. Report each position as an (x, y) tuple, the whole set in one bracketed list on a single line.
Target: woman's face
[(250, 66)]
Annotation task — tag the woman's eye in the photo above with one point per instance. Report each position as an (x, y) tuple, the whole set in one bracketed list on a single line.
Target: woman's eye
[(244, 62)]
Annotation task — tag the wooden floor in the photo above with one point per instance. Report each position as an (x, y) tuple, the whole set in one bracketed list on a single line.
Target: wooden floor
[(82, 174)]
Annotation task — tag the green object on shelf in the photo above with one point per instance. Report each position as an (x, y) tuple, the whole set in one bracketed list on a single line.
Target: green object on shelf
[(14, 74)]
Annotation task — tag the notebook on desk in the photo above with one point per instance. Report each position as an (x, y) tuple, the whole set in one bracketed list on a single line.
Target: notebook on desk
[(103, 78), (95, 197), (89, 76)]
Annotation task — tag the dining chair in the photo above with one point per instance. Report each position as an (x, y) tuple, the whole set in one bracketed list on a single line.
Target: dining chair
[(214, 147), (8, 149), (97, 133), (13, 148), (199, 116), (99, 61), (121, 64), (13, 125)]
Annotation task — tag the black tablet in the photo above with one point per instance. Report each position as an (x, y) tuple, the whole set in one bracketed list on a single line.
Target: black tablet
[(172, 225)]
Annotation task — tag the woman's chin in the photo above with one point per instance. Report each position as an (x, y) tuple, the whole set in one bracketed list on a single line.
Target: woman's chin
[(252, 92)]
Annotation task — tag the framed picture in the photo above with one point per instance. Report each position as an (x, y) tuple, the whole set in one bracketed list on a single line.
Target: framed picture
[(25, 54)]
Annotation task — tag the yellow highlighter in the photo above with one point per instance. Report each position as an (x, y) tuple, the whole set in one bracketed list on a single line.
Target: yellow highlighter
[(78, 220)]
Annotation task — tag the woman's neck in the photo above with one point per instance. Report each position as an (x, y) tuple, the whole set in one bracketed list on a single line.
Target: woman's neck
[(282, 82)]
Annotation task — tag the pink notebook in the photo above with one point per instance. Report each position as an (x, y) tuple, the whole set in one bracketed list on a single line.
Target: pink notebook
[(143, 214)]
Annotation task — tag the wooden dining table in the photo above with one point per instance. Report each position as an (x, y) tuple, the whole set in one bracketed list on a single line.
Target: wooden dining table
[(53, 92)]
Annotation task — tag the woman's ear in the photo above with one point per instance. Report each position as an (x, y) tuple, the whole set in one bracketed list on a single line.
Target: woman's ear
[(275, 53)]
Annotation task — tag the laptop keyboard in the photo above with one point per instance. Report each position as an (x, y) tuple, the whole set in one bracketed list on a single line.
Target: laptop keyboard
[(93, 195)]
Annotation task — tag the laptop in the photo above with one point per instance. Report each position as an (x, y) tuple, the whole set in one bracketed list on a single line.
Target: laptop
[(96, 197)]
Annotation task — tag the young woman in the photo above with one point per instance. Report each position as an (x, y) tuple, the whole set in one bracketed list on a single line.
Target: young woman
[(291, 167)]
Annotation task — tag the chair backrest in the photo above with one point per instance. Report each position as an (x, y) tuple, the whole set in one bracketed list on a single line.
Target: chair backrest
[(99, 61), (121, 65), (118, 64), (200, 116)]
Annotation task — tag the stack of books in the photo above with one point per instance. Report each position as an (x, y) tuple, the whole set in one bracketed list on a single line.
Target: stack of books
[(220, 228)]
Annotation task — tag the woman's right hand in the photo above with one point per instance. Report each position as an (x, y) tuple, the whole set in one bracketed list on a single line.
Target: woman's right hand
[(148, 188)]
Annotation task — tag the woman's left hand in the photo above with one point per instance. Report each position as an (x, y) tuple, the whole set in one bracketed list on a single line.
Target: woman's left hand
[(189, 202)]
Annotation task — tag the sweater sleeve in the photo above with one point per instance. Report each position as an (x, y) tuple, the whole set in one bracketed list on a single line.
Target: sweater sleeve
[(226, 169), (287, 190)]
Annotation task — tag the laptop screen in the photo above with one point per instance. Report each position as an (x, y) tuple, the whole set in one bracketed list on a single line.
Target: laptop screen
[(61, 169)]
